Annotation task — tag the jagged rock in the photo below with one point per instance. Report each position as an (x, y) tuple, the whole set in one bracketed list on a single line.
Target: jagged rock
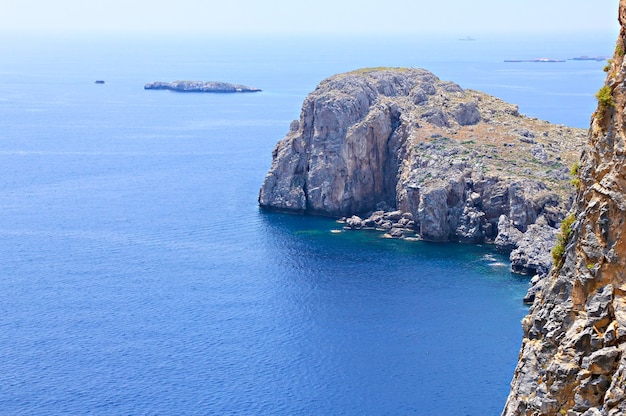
[(578, 320), (354, 222), (532, 255), (471, 229), (534, 289), (466, 114), (508, 235), (602, 362), (392, 216), (398, 224)]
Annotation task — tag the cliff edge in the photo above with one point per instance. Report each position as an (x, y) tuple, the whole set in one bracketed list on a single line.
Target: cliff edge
[(572, 360), (458, 164)]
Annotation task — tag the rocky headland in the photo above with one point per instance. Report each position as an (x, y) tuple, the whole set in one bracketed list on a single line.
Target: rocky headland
[(199, 86), (399, 150), (573, 356)]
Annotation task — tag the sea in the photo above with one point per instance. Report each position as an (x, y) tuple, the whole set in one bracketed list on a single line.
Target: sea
[(138, 275)]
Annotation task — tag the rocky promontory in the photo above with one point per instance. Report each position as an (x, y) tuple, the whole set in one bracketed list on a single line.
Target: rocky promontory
[(573, 356), (199, 86), (460, 165)]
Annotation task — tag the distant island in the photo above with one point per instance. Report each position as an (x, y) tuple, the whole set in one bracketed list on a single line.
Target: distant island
[(199, 86), (589, 58), (535, 60), (577, 58)]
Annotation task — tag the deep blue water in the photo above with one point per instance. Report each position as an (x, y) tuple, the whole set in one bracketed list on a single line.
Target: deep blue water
[(138, 276)]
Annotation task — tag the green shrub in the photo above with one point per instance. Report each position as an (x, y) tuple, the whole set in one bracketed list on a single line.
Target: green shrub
[(619, 50), (561, 240), (605, 97), (574, 172)]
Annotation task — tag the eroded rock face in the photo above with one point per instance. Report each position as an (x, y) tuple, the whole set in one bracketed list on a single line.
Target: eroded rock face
[(532, 252), (455, 159), (573, 357)]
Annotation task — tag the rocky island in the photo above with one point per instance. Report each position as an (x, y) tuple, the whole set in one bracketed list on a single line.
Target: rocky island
[(199, 86), (398, 149), (573, 356)]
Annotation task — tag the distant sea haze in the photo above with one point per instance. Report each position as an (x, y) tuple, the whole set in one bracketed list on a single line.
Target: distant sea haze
[(140, 277)]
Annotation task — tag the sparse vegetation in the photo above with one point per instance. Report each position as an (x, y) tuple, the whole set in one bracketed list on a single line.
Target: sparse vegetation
[(607, 67), (562, 239), (605, 97), (574, 172), (619, 50), (379, 68)]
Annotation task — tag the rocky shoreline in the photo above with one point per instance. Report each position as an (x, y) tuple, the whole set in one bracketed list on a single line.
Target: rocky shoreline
[(529, 252), (381, 145), (395, 224)]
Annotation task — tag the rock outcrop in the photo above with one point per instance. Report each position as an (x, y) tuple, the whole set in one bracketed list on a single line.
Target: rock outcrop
[(573, 356), (199, 86), (466, 166)]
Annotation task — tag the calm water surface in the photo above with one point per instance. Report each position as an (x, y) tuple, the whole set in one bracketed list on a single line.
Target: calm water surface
[(138, 275)]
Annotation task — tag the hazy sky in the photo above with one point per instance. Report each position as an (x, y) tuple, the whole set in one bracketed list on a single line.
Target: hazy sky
[(314, 16)]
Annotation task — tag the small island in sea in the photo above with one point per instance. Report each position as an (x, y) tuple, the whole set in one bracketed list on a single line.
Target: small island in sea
[(589, 58), (535, 60), (199, 86), (400, 151)]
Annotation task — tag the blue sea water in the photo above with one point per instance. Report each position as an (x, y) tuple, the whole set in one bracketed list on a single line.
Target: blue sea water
[(138, 276)]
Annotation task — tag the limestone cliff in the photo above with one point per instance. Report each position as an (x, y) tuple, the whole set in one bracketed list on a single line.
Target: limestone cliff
[(572, 360), (465, 166)]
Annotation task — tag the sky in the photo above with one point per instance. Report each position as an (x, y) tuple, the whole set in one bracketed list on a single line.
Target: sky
[(467, 17)]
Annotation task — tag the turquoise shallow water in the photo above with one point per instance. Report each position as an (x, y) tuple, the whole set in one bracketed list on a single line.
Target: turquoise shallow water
[(140, 277)]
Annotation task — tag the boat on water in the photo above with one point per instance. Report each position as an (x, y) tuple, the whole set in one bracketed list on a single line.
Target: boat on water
[(99, 81)]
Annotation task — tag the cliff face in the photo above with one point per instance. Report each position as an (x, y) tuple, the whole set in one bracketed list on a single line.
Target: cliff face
[(465, 166), (573, 357)]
